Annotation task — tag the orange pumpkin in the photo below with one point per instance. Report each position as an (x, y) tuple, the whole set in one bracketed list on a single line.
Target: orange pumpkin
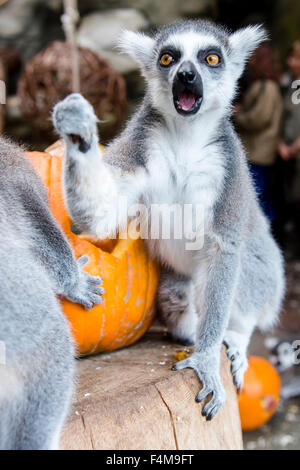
[(260, 397), (130, 278)]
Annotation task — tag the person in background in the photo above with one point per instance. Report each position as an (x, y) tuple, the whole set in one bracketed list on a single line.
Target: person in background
[(258, 120), (289, 146), (289, 149)]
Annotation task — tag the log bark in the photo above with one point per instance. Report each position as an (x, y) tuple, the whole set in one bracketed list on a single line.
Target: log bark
[(131, 400)]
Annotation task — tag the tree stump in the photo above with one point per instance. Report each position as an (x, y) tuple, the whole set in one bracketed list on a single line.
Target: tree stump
[(131, 400)]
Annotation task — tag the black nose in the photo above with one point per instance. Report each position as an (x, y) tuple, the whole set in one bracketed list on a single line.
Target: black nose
[(187, 73)]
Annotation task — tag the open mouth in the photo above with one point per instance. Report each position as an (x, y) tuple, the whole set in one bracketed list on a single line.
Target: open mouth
[(186, 101)]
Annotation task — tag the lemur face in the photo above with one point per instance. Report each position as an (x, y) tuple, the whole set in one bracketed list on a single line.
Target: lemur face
[(191, 70), (192, 67)]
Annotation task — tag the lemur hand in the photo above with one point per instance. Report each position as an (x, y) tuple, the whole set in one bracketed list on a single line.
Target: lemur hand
[(206, 367), (75, 120), (87, 290)]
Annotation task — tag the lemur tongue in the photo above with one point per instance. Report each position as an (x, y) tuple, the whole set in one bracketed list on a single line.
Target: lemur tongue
[(186, 100)]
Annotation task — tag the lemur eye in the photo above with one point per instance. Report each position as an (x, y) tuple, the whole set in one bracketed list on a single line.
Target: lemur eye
[(213, 60), (166, 60)]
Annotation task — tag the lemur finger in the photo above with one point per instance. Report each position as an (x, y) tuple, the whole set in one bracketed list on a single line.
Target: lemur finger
[(95, 280), (82, 261), (98, 290), (238, 380), (238, 365), (212, 407), (186, 364), (232, 354), (95, 299), (86, 304), (203, 394), (210, 410)]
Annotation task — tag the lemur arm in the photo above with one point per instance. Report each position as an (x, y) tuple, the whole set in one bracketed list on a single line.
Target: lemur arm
[(98, 192), (51, 248), (91, 191)]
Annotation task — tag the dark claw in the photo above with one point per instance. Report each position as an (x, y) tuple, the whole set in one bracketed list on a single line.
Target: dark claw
[(84, 146), (183, 341)]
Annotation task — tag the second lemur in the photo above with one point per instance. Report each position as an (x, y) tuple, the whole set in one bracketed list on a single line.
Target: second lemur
[(180, 148)]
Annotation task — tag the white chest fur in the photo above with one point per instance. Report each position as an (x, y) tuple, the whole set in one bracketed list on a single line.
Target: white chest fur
[(184, 170)]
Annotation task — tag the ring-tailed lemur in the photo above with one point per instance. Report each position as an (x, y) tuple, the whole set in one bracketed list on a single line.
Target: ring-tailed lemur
[(36, 349), (180, 147)]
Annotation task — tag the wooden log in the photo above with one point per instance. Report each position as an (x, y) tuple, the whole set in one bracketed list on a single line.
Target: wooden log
[(130, 399)]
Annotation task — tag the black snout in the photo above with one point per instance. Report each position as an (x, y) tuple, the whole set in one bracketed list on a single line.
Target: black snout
[(187, 73), (187, 89)]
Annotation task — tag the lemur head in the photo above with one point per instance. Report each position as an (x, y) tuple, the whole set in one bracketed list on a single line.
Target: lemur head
[(194, 66)]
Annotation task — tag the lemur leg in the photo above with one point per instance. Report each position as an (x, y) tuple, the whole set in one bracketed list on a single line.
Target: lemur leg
[(177, 308), (258, 299), (36, 388), (215, 313), (236, 340)]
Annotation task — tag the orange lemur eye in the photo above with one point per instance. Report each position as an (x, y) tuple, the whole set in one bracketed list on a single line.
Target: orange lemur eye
[(213, 60), (166, 60)]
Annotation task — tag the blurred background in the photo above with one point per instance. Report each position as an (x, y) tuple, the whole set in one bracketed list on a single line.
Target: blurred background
[(49, 48)]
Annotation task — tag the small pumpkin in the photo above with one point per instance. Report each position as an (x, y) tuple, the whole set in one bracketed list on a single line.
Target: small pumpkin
[(130, 278), (260, 397)]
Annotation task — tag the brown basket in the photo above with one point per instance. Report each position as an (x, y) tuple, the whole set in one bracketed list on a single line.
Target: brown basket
[(47, 79)]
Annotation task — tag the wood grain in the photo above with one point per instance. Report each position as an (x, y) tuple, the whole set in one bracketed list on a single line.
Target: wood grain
[(130, 399)]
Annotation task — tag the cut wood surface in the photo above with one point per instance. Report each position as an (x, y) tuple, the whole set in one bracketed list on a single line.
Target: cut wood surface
[(130, 399)]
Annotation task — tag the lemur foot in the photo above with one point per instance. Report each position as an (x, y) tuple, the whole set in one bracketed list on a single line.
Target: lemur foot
[(74, 119), (236, 353), (87, 291), (209, 376)]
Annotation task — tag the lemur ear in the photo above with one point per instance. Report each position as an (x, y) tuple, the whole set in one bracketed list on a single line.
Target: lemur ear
[(138, 45), (243, 42)]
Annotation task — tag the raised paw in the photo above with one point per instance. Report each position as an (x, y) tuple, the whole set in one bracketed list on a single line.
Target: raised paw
[(88, 290), (75, 120), (209, 376)]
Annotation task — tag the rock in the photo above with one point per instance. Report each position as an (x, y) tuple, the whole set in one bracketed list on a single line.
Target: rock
[(28, 25), (15, 15), (198, 7), (159, 12), (100, 32)]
